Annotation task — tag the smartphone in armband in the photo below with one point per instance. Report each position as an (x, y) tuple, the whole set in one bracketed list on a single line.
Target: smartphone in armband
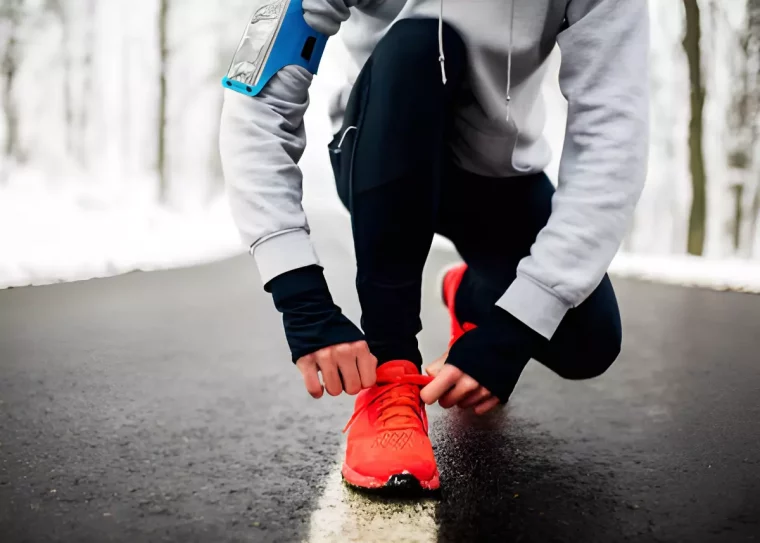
[(276, 36)]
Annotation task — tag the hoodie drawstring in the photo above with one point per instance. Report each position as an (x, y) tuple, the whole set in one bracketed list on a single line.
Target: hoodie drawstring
[(509, 60), (442, 57)]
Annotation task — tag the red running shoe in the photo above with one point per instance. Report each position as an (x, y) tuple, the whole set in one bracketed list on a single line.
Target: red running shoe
[(388, 444), (450, 280)]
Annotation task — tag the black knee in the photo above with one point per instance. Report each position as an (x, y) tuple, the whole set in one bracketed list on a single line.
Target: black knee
[(596, 356), (601, 358), (409, 54)]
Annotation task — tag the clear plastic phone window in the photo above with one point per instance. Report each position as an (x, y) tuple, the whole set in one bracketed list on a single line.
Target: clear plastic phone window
[(259, 36)]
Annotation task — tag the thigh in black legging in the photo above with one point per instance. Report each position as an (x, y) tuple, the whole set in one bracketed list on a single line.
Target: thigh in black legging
[(494, 223), (388, 171)]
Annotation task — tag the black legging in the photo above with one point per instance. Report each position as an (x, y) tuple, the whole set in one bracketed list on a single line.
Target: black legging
[(395, 176)]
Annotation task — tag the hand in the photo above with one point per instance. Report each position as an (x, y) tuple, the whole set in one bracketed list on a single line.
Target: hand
[(451, 386), (348, 367)]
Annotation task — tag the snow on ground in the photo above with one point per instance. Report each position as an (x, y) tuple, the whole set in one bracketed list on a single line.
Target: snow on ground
[(690, 271), (48, 235)]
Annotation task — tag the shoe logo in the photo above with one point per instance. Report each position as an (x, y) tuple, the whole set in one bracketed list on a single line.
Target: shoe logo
[(394, 440)]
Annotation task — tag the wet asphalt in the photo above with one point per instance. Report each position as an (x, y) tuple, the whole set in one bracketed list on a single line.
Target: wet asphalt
[(163, 407)]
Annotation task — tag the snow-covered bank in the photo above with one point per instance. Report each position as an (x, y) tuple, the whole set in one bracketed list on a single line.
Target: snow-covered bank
[(49, 236), (690, 271)]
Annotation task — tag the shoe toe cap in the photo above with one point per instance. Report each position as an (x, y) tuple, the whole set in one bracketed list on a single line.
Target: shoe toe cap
[(383, 462)]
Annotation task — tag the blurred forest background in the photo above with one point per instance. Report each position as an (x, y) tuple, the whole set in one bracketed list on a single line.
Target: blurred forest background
[(129, 89), (119, 100)]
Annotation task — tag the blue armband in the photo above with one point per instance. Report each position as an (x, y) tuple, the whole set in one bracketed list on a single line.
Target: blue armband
[(276, 36)]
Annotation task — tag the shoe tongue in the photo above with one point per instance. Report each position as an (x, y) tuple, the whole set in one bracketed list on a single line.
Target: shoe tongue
[(397, 368)]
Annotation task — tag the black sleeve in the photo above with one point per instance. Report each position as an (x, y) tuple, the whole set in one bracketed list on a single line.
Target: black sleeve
[(496, 353), (311, 319)]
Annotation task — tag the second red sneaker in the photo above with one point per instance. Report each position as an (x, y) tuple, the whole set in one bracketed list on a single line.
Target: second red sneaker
[(450, 281), (388, 444)]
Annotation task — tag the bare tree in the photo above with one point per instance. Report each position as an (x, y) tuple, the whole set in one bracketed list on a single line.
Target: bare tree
[(10, 17), (691, 44), (83, 117), (753, 76), (216, 181), (60, 10), (742, 121), (163, 51)]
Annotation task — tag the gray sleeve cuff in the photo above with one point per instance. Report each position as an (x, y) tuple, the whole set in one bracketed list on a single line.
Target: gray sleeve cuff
[(283, 252), (534, 305)]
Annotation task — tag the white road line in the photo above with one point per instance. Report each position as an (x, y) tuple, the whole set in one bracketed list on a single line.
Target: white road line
[(343, 515)]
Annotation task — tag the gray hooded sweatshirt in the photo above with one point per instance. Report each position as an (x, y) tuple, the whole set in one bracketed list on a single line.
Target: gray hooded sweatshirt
[(604, 77)]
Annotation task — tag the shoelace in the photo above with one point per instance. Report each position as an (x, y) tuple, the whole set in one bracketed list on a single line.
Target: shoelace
[(395, 402)]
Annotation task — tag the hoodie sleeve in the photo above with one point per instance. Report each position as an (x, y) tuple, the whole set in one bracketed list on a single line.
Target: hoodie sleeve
[(261, 140), (604, 78)]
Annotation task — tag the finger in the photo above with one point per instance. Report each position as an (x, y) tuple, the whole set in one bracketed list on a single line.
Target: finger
[(349, 373), (446, 379), (308, 368), (366, 363), (465, 386), (487, 406), (478, 396), (329, 370), (435, 368)]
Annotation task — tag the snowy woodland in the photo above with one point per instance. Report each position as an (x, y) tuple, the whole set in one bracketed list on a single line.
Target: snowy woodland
[(109, 123)]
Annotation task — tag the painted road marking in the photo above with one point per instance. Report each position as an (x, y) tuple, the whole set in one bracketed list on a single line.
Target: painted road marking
[(343, 515)]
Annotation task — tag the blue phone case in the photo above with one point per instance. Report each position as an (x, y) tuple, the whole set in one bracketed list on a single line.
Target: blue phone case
[(296, 43)]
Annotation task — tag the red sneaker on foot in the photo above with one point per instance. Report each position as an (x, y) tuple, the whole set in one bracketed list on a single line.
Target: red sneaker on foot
[(450, 282), (388, 444)]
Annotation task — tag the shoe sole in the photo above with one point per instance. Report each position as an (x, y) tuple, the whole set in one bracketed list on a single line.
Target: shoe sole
[(401, 482)]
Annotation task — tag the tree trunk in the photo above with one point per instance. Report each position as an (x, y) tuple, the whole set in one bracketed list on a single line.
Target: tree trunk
[(9, 67), (753, 226), (216, 176), (753, 59), (163, 48), (736, 231), (691, 44), (59, 9), (83, 117)]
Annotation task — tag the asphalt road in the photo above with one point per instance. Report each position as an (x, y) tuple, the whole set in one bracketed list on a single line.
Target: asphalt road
[(163, 407)]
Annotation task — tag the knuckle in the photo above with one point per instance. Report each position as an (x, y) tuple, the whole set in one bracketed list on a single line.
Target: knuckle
[(468, 383), (323, 357), (365, 360), (451, 372), (343, 349), (305, 362), (346, 363)]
